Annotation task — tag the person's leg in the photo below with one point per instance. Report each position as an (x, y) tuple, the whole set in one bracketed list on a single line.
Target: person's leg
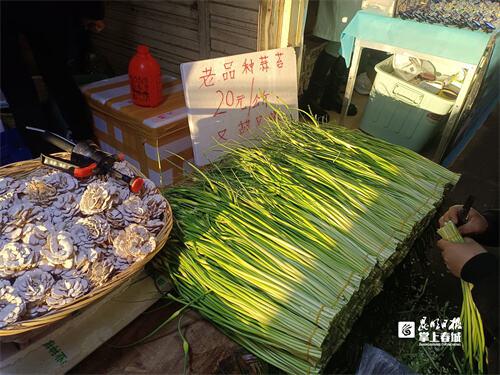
[(332, 99), (49, 51), (19, 90), (309, 101)]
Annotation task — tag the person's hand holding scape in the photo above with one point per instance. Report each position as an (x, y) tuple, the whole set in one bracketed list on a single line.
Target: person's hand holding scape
[(476, 223), (455, 255)]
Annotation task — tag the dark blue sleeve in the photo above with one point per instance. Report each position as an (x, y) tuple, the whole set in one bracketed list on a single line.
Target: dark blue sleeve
[(482, 272), (490, 237)]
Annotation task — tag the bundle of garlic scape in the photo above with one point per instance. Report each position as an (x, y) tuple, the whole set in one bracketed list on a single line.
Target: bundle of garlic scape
[(60, 238)]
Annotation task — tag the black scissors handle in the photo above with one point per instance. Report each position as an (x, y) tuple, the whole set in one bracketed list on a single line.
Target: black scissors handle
[(54, 139), (464, 212)]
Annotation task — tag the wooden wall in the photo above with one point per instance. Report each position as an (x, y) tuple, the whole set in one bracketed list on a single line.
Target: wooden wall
[(177, 30)]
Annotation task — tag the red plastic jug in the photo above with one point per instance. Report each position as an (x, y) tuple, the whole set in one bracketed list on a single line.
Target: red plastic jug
[(145, 79)]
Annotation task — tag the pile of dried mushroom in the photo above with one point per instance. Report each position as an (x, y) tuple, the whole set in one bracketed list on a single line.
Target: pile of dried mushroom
[(60, 237)]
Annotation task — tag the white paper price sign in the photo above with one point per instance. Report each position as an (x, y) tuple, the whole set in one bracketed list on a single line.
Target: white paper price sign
[(230, 98)]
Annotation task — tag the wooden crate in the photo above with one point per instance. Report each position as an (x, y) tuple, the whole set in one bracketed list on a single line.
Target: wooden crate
[(156, 140), (59, 347)]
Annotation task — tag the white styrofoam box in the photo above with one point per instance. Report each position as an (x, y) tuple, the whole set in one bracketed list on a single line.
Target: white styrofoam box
[(132, 161), (167, 150), (103, 82), (110, 149), (106, 147), (100, 124), (127, 102), (162, 179), (118, 134), (166, 118), (187, 166), (105, 95)]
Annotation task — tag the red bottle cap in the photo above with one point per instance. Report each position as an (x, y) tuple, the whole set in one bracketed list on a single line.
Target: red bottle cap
[(136, 185), (142, 49)]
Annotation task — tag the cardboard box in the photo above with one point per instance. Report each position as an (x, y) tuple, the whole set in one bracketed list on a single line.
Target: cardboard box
[(156, 140)]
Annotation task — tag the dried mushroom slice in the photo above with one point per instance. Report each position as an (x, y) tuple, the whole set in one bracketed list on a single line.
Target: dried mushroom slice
[(97, 197), (4, 219), (119, 264), (59, 251), (85, 256), (24, 212), (5, 183), (100, 272), (34, 285), (97, 228), (40, 192), (134, 210), (134, 243), (123, 168), (80, 235), (66, 206), (155, 226), (15, 258), (86, 182), (115, 218), (62, 181), (9, 184), (34, 310), (35, 235), (13, 233), (157, 206), (12, 305), (7, 200), (66, 290), (73, 274), (4, 282), (148, 188), (122, 190)]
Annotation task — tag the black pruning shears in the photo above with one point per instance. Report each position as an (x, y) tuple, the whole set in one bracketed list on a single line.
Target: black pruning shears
[(86, 160), (463, 214)]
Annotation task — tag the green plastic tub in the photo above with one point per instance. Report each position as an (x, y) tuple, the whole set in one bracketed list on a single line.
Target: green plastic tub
[(402, 113)]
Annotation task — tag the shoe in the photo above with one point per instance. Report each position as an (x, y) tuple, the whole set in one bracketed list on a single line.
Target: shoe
[(335, 104), (363, 84), (314, 109)]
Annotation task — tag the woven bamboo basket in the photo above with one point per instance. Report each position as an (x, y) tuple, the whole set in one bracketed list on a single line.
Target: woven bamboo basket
[(22, 169)]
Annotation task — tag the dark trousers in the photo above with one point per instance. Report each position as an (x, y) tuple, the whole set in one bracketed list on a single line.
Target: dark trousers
[(49, 52)]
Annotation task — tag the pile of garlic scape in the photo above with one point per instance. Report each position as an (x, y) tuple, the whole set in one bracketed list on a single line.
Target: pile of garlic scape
[(60, 237)]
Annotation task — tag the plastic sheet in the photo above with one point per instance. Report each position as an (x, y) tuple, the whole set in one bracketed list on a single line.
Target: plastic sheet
[(375, 361)]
